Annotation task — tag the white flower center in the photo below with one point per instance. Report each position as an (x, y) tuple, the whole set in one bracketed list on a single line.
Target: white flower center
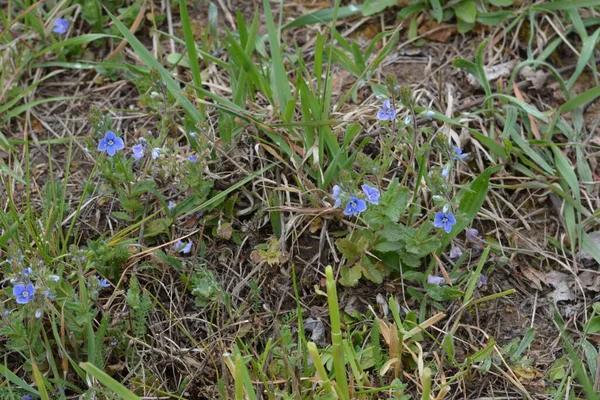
[(110, 143), (25, 293)]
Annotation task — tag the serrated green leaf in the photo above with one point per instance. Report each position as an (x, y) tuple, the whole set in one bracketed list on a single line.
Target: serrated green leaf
[(349, 276)]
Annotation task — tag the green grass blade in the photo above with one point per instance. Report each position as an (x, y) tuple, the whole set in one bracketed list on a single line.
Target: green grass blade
[(10, 376), (190, 45), (108, 382), (279, 74), (149, 59)]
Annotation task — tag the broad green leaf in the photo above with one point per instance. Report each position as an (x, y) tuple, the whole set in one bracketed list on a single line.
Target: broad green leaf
[(466, 10), (437, 11), (371, 7)]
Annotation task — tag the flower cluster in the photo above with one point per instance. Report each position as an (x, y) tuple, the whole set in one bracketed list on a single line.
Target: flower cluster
[(356, 205), (29, 279)]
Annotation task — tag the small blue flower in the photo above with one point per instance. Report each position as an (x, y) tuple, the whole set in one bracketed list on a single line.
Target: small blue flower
[(27, 397), (337, 192), (435, 280), (482, 280), (171, 205), (355, 206), (193, 158), (371, 193), (60, 26), (455, 252), (49, 294), (138, 151), (38, 313), (27, 271), (54, 278), (103, 282), (458, 154), (446, 170), (183, 248), (444, 220), (156, 152), (430, 113), (24, 293), (407, 120), (111, 143), (387, 113), (472, 234)]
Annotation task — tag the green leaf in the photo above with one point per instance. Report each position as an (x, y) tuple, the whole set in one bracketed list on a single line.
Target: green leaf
[(495, 17), (279, 75), (157, 226), (149, 60), (371, 7), (394, 201), (349, 276), (466, 10), (323, 16), (370, 270), (501, 3), (108, 382), (436, 10), (580, 100)]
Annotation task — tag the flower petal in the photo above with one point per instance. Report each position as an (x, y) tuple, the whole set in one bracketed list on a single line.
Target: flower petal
[(119, 143), (382, 115), (103, 144), (111, 150), (18, 289)]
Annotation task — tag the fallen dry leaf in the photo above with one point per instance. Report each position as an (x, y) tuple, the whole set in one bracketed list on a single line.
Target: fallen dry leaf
[(437, 32)]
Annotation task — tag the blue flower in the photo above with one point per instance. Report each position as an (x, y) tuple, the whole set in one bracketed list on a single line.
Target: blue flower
[(156, 152), (472, 234), (481, 280), (27, 397), (337, 192), (38, 313), (171, 205), (355, 206), (430, 113), (446, 170), (27, 271), (103, 282), (138, 151), (443, 220), (24, 293), (407, 120), (183, 248), (387, 113), (60, 26), (371, 193), (458, 154), (49, 294), (435, 280), (111, 143), (193, 158), (455, 252), (54, 278)]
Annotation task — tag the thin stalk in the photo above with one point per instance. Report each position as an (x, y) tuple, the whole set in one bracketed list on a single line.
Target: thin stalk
[(336, 335), (318, 363)]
